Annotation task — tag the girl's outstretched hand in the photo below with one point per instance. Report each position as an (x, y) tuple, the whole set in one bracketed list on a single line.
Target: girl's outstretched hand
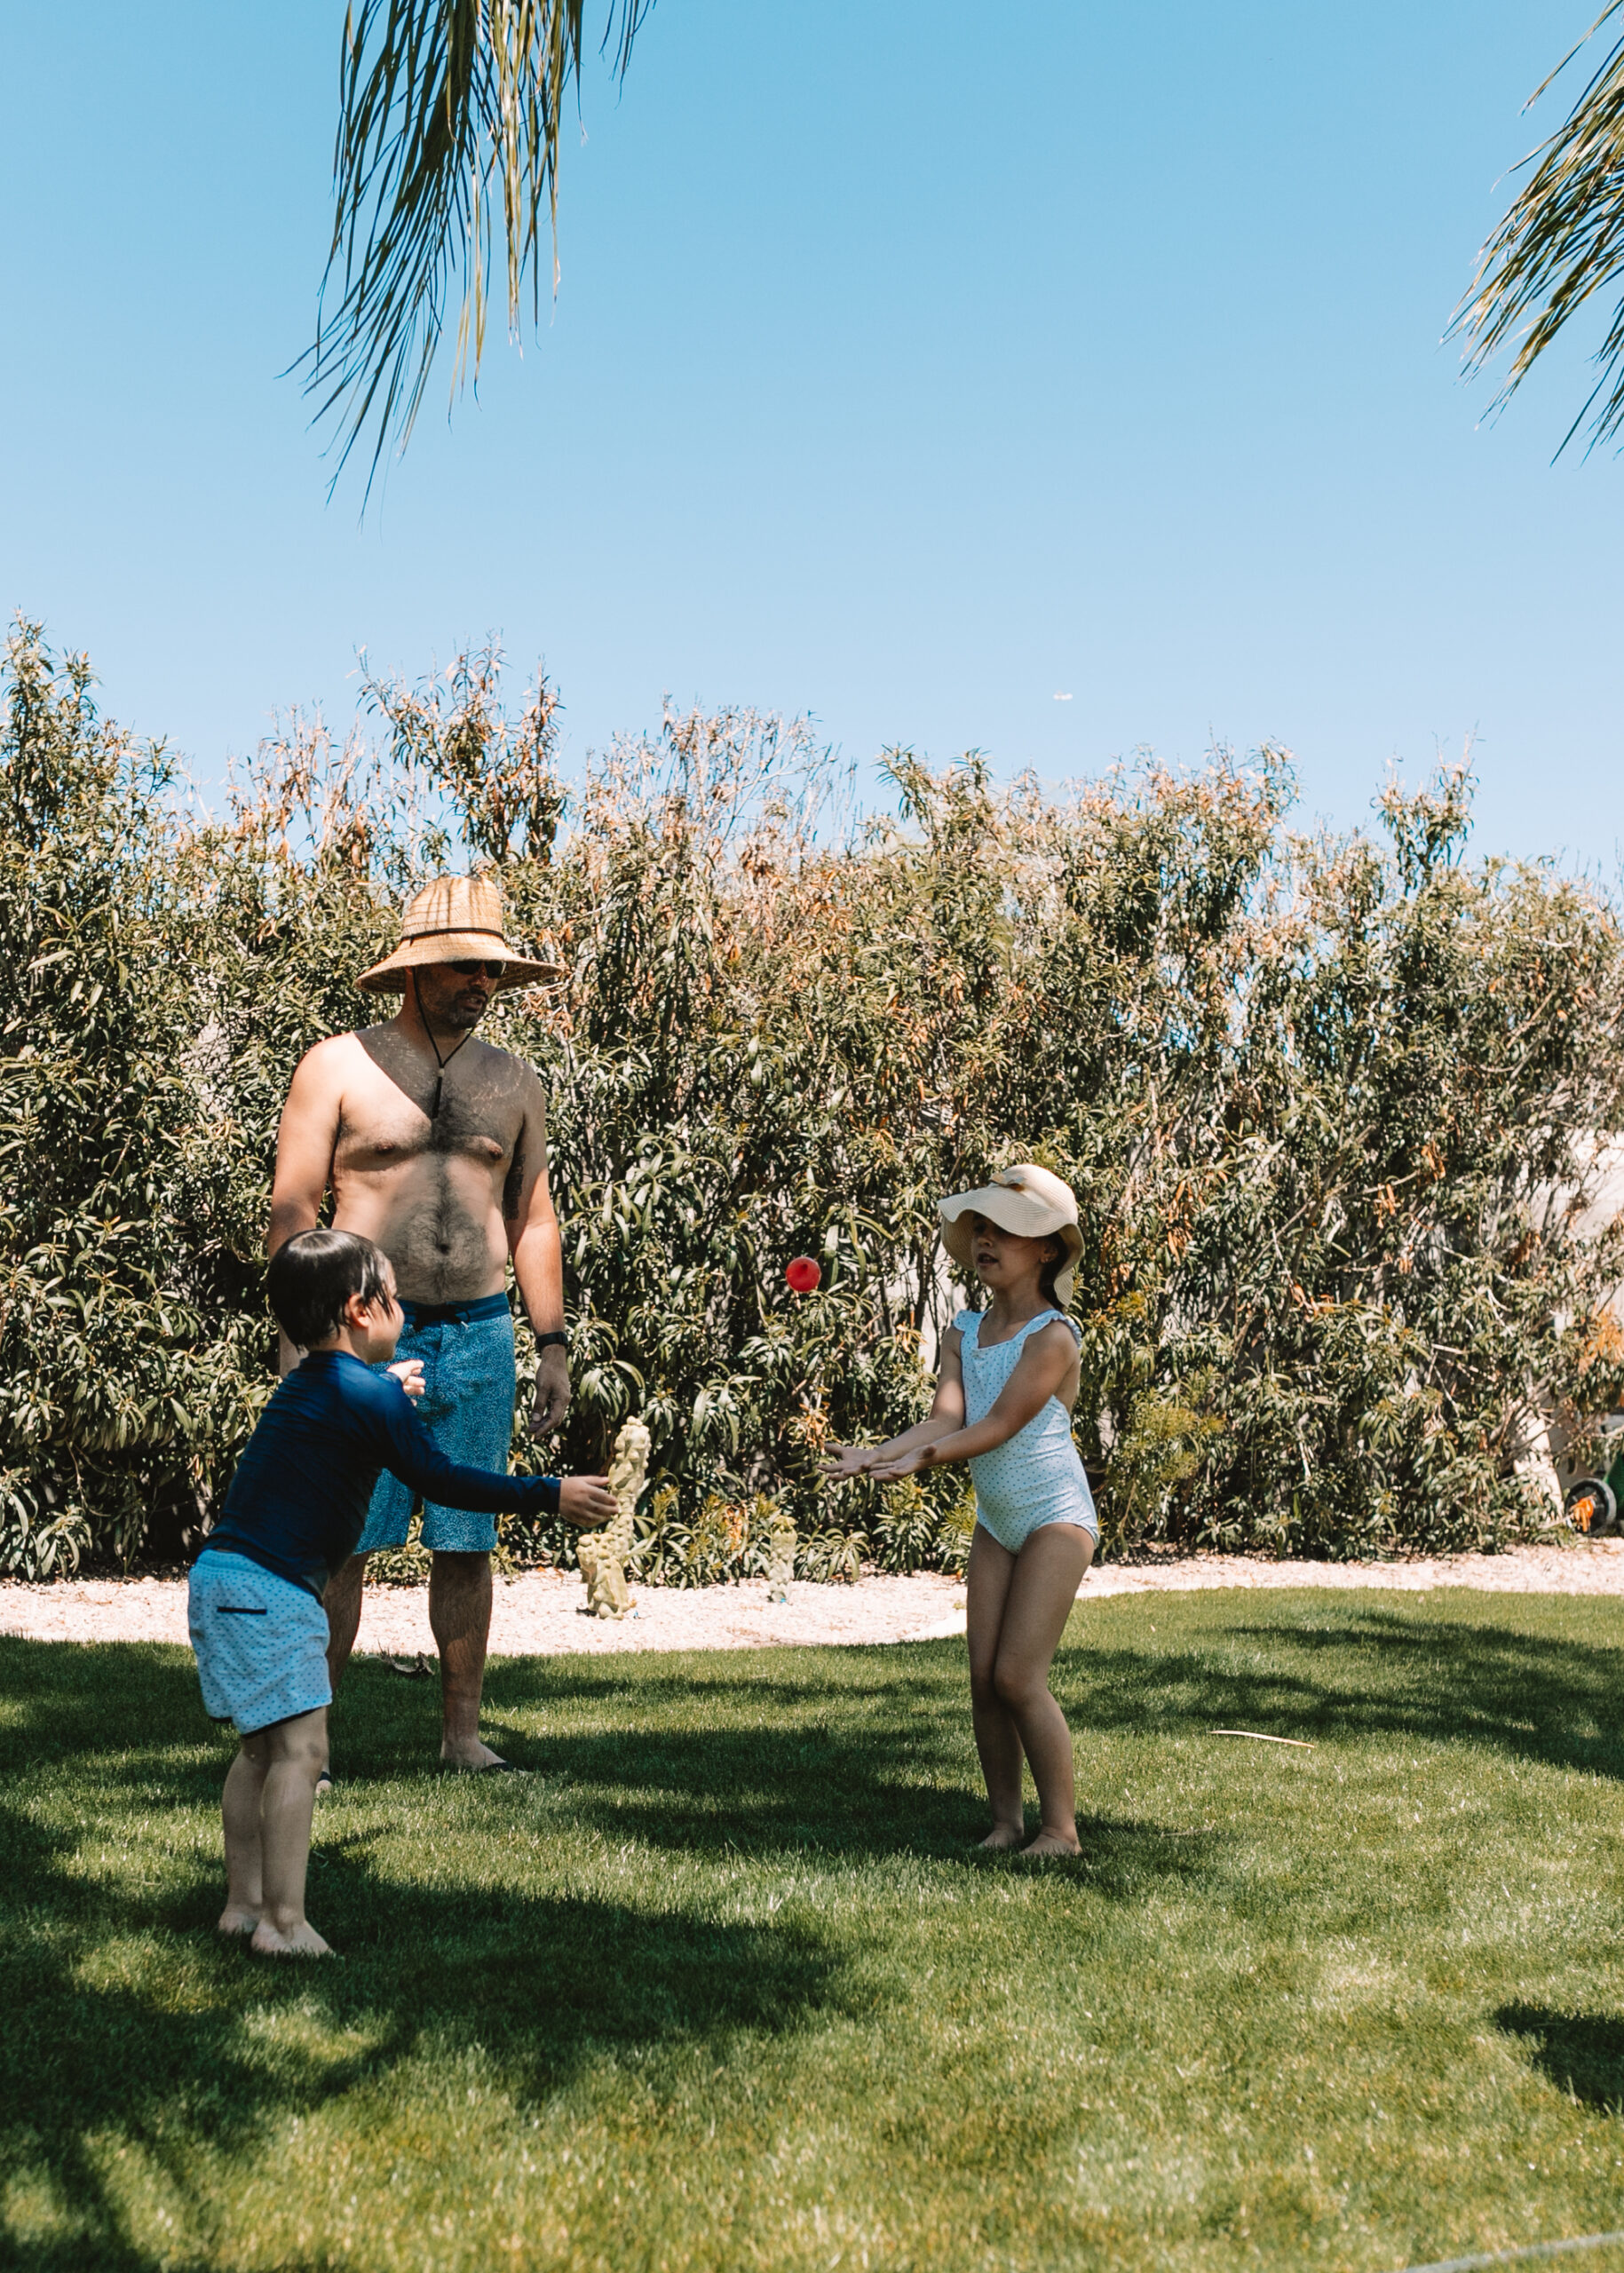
[(907, 1463), (587, 1500), (847, 1460)]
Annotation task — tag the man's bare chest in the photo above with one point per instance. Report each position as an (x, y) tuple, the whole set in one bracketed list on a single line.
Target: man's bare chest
[(406, 1113)]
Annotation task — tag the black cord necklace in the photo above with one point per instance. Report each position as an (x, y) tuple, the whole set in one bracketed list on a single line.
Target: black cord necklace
[(441, 1063)]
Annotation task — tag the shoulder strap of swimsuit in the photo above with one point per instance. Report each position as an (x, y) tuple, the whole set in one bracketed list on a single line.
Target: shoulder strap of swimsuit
[(968, 1323), (1048, 1318)]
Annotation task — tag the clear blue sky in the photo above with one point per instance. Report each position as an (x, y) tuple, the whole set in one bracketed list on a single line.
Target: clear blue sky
[(914, 362)]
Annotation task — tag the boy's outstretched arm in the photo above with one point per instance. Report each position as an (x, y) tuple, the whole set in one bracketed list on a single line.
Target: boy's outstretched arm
[(409, 1452)]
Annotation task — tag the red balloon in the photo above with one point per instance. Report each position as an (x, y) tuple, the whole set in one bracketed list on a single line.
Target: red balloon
[(804, 1275)]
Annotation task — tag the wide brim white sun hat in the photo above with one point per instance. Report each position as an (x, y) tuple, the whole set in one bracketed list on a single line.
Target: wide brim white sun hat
[(1026, 1200)]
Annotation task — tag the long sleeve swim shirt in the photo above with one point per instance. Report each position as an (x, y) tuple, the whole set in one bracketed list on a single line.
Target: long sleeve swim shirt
[(298, 1501)]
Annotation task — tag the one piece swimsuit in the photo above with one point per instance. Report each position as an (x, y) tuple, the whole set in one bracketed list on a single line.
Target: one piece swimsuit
[(1035, 1477)]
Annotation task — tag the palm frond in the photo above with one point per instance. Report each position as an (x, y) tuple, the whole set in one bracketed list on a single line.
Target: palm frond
[(1561, 242), (449, 112)]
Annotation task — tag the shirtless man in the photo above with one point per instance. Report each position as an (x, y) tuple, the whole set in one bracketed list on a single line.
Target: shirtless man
[(435, 1145)]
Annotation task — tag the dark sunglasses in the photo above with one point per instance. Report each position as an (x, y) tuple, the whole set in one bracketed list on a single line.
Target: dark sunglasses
[(470, 970)]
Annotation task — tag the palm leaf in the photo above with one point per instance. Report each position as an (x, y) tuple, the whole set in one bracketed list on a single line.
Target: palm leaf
[(449, 113), (1562, 242)]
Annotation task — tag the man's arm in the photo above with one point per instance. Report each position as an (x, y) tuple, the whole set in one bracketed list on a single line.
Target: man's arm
[(538, 1260), (304, 1142)]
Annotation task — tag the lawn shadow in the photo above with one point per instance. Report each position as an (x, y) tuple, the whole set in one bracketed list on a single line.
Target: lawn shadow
[(829, 1756), (869, 1757), (1442, 1679), (536, 1985), (95, 2044), (866, 1755), (1581, 2053)]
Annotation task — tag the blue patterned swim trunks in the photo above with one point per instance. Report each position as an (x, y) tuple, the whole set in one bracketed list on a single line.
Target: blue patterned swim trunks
[(260, 1642), (466, 1350)]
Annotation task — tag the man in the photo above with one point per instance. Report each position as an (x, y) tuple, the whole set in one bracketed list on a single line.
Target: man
[(435, 1147)]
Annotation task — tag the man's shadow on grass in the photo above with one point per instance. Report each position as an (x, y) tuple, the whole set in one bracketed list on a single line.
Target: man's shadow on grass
[(1581, 2053)]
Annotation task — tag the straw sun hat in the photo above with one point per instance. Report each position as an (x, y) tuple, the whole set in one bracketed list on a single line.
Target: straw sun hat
[(456, 919), (1026, 1201)]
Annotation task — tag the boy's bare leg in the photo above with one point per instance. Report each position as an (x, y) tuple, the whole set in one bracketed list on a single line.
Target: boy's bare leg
[(1048, 1573), (239, 1813), (998, 1742), (297, 1753), (460, 1619), (342, 1601)]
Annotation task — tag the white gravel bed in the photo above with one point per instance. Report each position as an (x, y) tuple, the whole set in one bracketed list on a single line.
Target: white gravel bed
[(542, 1612)]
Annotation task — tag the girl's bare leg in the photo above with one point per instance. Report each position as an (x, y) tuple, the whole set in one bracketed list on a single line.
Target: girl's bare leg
[(297, 1753), (998, 1742), (239, 1813), (1048, 1573)]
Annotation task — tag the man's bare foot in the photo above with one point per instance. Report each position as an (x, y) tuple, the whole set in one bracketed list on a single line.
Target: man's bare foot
[(301, 1941), (1004, 1835), (1052, 1843), (471, 1755), (236, 1918)]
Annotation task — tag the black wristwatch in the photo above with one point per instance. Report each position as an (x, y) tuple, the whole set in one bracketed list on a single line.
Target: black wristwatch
[(547, 1341)]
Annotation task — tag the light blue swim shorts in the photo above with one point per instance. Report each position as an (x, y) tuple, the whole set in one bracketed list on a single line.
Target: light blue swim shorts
[(261, 1642), (469, 1384)]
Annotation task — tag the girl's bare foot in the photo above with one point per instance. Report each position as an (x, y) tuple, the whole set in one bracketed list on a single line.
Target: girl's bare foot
[(1052, 1843), (300, 1941), (1003, 1835), (236, 1918)]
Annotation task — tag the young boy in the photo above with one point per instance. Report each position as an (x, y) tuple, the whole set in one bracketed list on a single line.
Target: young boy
[(293, 1514)]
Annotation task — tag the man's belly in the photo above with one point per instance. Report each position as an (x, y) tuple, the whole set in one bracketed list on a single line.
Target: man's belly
[(439, 1222)]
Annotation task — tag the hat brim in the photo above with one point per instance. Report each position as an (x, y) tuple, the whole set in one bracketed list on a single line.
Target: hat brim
[(1012, 1210), (389, 977)]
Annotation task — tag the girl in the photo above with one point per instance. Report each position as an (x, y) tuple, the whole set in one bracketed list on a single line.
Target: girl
[(1009, 1379)]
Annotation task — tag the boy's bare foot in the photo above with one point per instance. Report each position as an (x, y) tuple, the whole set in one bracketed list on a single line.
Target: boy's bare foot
[(1004, 1835), (302, 1941), (1052, 1842), (236, 1918)]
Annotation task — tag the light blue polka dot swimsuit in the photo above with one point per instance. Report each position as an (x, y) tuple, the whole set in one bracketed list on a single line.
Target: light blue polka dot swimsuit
[(1035, 1477)]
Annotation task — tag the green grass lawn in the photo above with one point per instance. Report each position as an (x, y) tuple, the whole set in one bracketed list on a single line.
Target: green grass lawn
[(723, 1985)]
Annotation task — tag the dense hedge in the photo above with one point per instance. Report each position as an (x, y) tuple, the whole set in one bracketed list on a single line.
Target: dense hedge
[(1314, 1095)]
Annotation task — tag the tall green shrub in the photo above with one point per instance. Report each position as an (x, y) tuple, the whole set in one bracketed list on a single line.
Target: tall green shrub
[(113, 1337), (1315, 1096)]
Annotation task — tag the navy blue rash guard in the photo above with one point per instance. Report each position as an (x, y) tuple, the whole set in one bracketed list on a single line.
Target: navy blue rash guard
[(298, 1500)]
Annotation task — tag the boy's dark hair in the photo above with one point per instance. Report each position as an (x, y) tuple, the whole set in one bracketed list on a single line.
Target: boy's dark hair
[(313, 1277)]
